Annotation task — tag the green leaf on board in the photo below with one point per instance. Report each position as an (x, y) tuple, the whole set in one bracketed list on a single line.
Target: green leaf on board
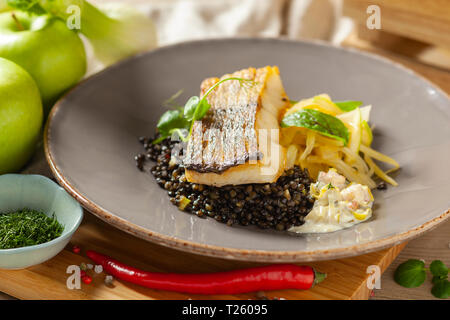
[(410, 274)]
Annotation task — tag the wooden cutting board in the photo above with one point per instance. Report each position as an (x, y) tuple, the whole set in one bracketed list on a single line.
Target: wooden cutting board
[(346, 278)]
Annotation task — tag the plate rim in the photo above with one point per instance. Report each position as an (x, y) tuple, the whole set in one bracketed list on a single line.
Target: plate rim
[(226, 252)]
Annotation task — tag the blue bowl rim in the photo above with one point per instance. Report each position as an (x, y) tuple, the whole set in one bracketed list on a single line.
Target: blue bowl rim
[(61, 238)]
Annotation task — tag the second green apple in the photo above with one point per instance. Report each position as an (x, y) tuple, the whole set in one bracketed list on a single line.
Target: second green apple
[(43, 45)]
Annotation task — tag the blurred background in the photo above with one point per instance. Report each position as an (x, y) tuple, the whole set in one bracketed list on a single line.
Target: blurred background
[(182, 20), (179, 20), (410, 29)]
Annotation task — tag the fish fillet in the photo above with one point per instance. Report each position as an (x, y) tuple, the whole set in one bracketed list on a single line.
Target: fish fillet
[(237, 142)]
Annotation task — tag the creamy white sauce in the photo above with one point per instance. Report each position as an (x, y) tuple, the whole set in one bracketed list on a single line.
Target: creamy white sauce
[(337, 204)]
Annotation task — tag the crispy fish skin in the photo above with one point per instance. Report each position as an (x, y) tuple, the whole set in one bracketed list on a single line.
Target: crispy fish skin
[(228, 146)]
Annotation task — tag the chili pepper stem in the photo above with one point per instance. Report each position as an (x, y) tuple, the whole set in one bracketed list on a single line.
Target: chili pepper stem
[(318, 277)]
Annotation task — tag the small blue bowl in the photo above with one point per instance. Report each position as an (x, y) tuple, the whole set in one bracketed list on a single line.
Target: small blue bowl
[(39, 193)]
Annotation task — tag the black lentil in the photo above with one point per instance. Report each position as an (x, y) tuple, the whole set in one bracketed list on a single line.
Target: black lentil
[(278, 205), (382, 186)]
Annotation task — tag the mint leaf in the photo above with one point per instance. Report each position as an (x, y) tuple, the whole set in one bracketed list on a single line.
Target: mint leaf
[(410, 274), (347, 106), (441, 289), (437, 279), (190, 107), (318, 121), (438, 268), (202, 109), (171, 119)]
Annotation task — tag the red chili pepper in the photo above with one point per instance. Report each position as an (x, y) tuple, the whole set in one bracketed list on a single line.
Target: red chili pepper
[(273, 277)]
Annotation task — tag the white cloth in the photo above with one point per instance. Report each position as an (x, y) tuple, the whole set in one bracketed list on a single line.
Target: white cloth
[(180, 20)]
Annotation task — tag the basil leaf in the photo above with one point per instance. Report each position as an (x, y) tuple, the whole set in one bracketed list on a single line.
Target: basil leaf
[(171, 119), (318, 121), (441, 290), (202, 109), (438, 268), (190, 107), (347, 106), (410, 274)]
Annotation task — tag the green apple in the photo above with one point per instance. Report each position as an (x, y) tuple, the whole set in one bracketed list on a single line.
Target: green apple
[(4, 6), (52, 54), (20, 116)]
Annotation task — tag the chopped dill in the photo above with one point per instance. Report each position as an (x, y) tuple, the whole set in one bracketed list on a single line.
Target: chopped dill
[(27, 228)]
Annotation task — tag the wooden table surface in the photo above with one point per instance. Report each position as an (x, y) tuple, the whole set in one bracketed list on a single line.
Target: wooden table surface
[(433, 245)]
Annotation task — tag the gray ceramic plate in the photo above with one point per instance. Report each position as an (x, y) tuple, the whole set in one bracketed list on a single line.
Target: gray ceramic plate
[(92, 133)]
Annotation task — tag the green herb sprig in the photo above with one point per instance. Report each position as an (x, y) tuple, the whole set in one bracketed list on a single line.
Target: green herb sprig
[(26, 228), (412, 274), (182, 119)]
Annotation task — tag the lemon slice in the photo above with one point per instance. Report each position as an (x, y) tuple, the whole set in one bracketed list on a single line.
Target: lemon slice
[(367, 136), (361, 216), (326, 105), (299, 106), (320, 103)]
